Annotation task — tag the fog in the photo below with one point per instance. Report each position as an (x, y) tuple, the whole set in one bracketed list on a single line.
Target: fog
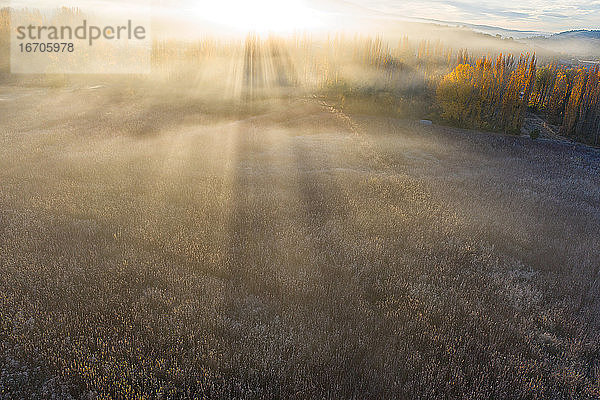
[(290, 216)]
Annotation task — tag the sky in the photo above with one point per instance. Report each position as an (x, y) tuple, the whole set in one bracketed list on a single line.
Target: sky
[(543, 15), (530, 15)]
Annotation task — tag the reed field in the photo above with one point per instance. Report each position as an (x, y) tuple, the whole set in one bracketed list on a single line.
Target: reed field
[(302, 218)]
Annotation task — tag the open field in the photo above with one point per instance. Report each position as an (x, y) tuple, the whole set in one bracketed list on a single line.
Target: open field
[(176, 249)]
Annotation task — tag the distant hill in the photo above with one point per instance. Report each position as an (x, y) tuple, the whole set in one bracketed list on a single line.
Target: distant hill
[(490, 30), (580, 34), (582, 43)]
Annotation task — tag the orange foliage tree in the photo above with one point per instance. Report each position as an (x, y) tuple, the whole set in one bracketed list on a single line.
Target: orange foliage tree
[(490, 94)]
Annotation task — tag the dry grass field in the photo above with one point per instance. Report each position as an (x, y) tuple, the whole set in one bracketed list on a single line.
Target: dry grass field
[(178, 248)]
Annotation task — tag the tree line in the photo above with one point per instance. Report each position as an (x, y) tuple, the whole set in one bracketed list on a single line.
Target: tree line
[(496, 94)]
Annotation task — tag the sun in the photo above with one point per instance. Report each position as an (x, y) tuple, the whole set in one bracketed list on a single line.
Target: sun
[(260, 16)]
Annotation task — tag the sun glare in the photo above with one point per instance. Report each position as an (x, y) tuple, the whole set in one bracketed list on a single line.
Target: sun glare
[(261, 16)]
